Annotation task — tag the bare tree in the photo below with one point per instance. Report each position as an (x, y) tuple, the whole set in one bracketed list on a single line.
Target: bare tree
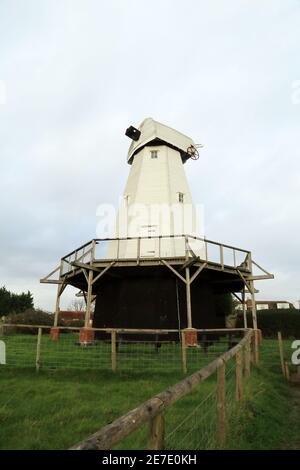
[(77, 305)]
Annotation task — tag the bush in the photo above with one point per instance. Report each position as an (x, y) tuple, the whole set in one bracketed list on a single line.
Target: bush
[(272, 321), (29, 317), (76, 323)]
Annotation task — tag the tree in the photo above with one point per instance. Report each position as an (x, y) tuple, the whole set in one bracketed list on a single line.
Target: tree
[(77, 305), (14, 303)]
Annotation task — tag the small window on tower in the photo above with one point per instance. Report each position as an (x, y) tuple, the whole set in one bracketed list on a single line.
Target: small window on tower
[(153, 153), (180, 197)]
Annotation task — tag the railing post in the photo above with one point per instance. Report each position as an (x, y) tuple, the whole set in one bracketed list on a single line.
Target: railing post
[(138, 250), (157, 433), (239, 376), (38, 349), (206, 251), (221, 404), (113, 351), (222, 256), (118, 249), (183, 352)]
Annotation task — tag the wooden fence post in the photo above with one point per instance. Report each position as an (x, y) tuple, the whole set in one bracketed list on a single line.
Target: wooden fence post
[(287, 371), (157, 433), (38, 349), (183, 352), (113, 351), (280, 344), (248, 361), (221, 405), (256, 347), (239, 376)]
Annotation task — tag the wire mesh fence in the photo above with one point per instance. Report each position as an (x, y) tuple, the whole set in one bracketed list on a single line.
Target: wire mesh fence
[(33, 346), (197, 413)]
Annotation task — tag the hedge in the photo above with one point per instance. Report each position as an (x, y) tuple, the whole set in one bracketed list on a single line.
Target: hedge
[(271, 321)]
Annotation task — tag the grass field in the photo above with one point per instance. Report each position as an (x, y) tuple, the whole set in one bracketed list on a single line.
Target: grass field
[(54, 409)]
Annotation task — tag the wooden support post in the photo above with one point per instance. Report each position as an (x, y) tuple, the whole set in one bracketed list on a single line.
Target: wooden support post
[(88, 300), (183, 352), (221, 405), (256, 347), (38, 349), (287, 371), (280, 344), (57, 306), (188, 298), (248, 361), (157, 433), (113, 351), (59, 292), (253, 304), (239, 376), (244, 308)]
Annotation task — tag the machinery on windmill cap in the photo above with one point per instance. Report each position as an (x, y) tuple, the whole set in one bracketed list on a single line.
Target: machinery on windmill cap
[(156, 272), (154, 133)]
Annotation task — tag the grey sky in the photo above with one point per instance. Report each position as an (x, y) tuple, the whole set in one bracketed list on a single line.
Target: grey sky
[(76, 73)]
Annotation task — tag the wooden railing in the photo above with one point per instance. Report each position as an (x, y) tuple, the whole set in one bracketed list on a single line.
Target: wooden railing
[(206, 250), (153, 410)]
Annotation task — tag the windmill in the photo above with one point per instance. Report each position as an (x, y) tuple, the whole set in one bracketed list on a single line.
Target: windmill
[(157, 271)]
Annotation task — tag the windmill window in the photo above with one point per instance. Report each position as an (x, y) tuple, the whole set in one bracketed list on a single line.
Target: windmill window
[(180, 197), (153, 153)]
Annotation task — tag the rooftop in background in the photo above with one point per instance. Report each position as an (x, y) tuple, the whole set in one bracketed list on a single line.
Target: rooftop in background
[(268, 305)]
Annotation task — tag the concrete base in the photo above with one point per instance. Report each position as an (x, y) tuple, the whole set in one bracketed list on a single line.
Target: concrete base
[(190, 336), (86, 336), (54, 333)]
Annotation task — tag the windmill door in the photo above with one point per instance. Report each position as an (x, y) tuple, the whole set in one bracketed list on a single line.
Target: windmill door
[(149, 245)]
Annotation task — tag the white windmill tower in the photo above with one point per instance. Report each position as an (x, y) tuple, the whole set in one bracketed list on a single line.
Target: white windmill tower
[(157, 199)]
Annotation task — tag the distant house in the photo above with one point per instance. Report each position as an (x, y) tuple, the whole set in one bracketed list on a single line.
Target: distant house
[(70, 316), (267, 305)]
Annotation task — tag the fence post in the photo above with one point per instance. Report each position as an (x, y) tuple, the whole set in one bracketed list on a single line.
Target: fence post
[(183, 352), (239, 376), (157, 433), (256, 347), (113, 351), (287, 371), (38, 349), (248, 361), (221, 404), (280, 344)]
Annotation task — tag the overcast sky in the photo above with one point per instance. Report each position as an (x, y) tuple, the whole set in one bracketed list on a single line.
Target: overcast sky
[(74, 74)]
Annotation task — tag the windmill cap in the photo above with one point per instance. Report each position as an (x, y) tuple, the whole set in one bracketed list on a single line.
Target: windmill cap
[(154, 133)]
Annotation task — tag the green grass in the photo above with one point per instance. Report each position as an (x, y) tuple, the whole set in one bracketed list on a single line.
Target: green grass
[(54, 409), (270, 414)]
